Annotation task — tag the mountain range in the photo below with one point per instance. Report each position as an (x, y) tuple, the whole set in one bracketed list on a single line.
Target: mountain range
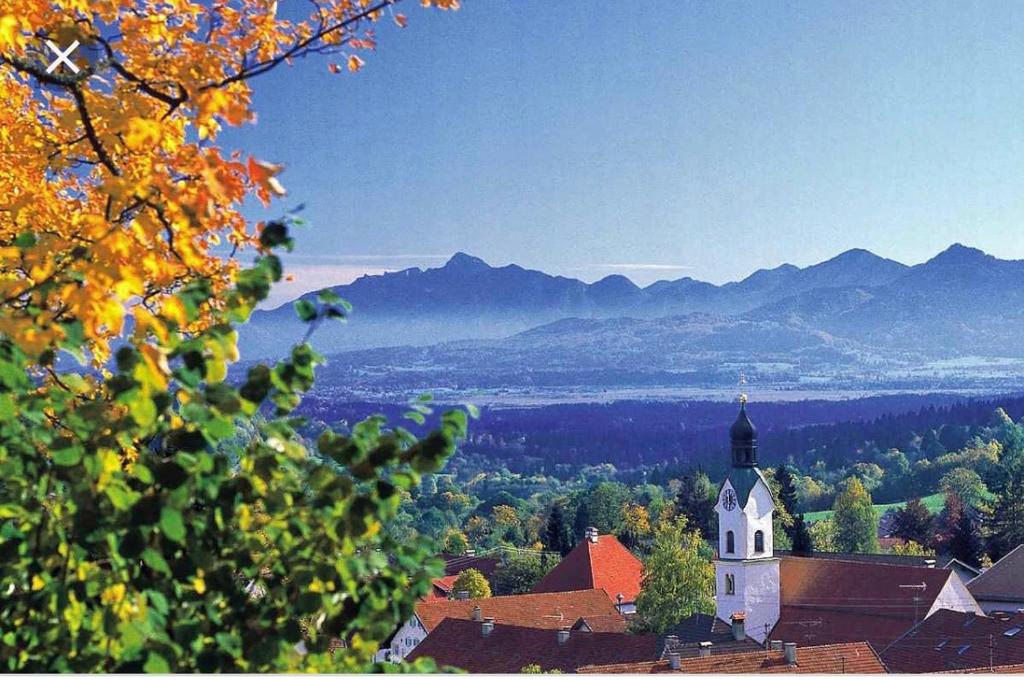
[(962, 302)]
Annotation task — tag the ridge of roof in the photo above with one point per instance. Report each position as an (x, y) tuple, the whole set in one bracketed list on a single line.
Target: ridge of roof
[(992, 584)]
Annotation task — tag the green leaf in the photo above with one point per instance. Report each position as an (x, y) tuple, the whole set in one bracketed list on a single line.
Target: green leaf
[(328, 297), (305, 309), (172, 524), (156, 664), (155, 561), (67, 456)]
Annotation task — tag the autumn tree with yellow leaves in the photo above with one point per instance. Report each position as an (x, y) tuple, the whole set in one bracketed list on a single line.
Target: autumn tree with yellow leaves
[(139, 530)]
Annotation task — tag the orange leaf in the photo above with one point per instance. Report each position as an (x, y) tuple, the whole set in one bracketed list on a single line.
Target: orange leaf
[(354, 63)]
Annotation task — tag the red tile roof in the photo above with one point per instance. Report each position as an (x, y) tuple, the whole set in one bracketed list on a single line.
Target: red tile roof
[(949, 640), (507, 649), (544, 610), (826, 601), (850, 657), (442, 587), (456, 564), (605, 564)]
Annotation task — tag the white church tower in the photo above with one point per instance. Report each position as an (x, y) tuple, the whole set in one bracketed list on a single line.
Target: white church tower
[(746, 571)]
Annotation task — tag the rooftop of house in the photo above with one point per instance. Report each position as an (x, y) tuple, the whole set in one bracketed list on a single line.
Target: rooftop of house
[(507, 649), (849, 657), (828, 601), (686, 636), (596, 562), (542, 610), (949, 640), (456, 564), (1003, 581)]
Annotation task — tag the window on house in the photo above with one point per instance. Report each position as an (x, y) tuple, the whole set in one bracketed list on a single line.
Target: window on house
[(730, 542), (962, 650), (758, 541), (730, 584), (1012, 632), (941, 645)]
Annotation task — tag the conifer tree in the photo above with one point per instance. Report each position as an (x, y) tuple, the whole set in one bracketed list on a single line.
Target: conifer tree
[(914, 522), (557, 535), (801, 536), (1007, 522)]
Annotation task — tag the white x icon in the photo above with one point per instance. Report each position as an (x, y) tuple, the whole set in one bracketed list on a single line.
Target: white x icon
[(62, 57)]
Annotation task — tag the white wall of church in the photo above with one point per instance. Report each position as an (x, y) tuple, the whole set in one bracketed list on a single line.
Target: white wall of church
[(756, 594), (745, 522)]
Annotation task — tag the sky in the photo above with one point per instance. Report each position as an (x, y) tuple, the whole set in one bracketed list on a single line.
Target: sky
[(655, 139)]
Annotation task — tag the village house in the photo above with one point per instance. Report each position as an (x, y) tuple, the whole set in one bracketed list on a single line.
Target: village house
[(546, 611), (489, 647), (949, 641), (1001, 587), (598, 562), (850, 657)]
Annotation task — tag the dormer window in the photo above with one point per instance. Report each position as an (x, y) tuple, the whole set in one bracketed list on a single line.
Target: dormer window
[(730, 542), (759, 541)]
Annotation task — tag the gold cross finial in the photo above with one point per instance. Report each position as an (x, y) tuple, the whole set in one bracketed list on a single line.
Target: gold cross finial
[(743, 381)]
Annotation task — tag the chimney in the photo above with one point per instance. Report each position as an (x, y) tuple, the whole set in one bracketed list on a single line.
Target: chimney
[(462, 595), (470, 552), (478, 614), (704, 650), (776, 645), (673, 660), (930, 564), (671, 643), (488, 626), (563, 636), (790, 650), (739, 620), (592, 534)]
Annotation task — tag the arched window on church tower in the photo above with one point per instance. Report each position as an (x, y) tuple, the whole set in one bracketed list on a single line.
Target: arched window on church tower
[(730, 542), (759, 541), (730, 584)]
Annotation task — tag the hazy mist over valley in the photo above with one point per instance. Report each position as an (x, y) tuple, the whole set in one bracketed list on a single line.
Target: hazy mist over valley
[(856, 324)]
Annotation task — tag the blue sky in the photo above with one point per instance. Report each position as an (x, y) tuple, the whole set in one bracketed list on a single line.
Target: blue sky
[(658, 139)]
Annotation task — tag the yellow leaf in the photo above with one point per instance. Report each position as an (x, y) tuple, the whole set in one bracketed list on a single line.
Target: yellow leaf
[(354, 63)]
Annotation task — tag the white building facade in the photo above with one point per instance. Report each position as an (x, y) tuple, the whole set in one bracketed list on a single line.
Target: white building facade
[(747, 577)]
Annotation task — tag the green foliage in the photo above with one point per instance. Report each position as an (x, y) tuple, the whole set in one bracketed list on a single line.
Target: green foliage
[(823, 535), (557, 534), (678, 578), (910, 548), (696, 501), (473, 582), (802, 542), (601, 507), (914, 523), (856, 522), (519, 572), (1007, 523), (968, 485), (140, 533), (455, 542)]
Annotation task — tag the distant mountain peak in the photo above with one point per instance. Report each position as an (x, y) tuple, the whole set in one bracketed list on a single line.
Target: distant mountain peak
[(463, 261), (959, 253)]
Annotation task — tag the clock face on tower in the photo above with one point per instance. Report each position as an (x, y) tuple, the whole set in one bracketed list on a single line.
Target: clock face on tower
[(729, 500)]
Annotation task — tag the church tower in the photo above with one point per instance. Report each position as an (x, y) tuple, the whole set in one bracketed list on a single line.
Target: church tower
[(746, 571)]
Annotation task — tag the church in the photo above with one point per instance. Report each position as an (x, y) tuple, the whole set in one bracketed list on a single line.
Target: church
[(825, 599)]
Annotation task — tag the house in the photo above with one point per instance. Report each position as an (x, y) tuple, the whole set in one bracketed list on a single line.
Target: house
[(827, 601), (597, 562), (849, 657), (547, 611), (456, 564), (489, 647), (442, 588), (966, 572), (709, 633), (949, 641), (812, 601), (1001, 586)]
